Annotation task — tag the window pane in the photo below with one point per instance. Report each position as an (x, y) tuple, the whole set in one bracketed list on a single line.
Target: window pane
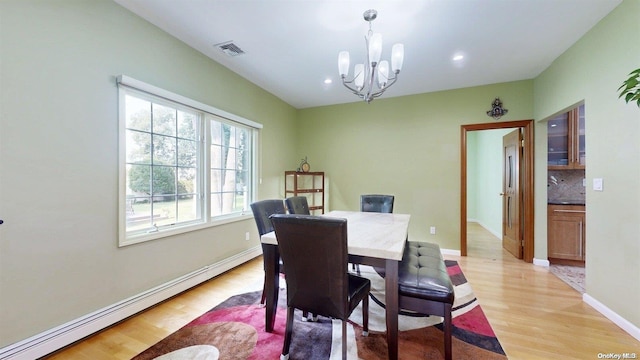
[(229, 157), (138, 113), (216, 157), (230, 133), (242, 160), (164, 150), (216, 180), (239, 203), (216, 204), (138, 180), (187, 181), (242, 181), (164, 120), (187, 125), (164, 212), (138, 147), (187, 153), (187, 209), (216, 132), (164, 182), (229, 181)]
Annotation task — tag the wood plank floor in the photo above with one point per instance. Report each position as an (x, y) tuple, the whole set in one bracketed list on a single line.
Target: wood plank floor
[(534, 314)]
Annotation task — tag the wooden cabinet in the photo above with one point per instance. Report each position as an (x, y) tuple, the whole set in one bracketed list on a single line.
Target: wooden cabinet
[(566, 140), (309, 184), (566, 233)]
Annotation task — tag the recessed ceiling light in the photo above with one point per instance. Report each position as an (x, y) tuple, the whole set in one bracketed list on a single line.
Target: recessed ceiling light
[(328, 81), (458, 57)]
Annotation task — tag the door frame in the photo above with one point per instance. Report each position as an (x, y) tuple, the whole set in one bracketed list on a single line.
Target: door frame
[(527, 181)]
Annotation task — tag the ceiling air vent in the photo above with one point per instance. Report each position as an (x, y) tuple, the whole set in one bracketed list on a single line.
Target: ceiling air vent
[(229, 48)]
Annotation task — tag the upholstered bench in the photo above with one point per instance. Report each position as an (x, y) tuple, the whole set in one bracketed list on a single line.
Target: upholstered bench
[(425, 286)]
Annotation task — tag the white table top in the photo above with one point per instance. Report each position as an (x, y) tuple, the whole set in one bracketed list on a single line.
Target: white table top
[(369, 234)]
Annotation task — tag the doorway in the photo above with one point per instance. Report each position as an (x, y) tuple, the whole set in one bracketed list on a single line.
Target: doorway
[(526, 127)]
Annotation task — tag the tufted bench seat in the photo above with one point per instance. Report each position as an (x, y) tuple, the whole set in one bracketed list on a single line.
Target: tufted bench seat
[(425, 286)]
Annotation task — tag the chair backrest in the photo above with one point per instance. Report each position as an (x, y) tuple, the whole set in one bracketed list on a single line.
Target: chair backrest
[(298, 205), (314, 251), (261, 212), (376, 203)]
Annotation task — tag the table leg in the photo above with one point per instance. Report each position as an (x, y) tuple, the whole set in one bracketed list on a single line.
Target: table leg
[(391, 301), (272, 279)]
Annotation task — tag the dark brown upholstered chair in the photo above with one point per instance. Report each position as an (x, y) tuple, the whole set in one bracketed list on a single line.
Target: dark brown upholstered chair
[(314, 251), (297, 205), (376, 203), (261, 212)]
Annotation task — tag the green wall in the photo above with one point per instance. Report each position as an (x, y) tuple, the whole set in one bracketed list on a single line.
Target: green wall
[(591, 71), (406, 146), (59, 258)]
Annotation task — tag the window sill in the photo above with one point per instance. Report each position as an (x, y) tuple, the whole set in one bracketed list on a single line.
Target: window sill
[(183, 230)]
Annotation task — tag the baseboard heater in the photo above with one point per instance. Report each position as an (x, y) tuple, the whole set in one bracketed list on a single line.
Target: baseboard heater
[(72, 331)]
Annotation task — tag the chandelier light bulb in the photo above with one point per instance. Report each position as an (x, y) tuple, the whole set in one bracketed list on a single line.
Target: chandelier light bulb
[(383, 73), (397, 57), (343, 63), (375, 48), (358, 72)]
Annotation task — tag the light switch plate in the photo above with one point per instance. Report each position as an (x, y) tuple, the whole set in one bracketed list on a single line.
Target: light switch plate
[(597, 184)]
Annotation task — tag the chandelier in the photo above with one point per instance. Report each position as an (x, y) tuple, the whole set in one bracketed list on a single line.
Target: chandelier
[(371, 79)]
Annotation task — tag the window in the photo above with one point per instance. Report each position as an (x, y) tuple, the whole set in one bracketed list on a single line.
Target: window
[(183, 165)]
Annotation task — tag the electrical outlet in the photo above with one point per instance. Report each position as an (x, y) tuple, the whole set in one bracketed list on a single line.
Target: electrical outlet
[(432, 230), (247, 236)]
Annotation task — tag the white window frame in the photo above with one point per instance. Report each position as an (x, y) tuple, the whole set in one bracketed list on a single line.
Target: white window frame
[(207, 113)]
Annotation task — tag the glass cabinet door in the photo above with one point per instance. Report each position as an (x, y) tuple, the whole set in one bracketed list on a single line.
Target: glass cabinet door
[(581, 138), (566, 140), (558, 140)]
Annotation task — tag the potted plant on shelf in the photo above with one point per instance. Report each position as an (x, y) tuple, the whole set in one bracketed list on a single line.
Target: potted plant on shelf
[(630, 88)]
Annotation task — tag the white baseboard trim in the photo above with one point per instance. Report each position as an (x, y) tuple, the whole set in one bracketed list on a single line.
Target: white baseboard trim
[(65, 334), (541, 262), (450, 252), (611, 315)]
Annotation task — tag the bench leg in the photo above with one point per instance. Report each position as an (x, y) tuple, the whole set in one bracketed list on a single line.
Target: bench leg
[(447, 332)]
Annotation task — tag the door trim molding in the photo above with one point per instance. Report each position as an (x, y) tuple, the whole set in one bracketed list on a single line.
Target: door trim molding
[(527, 185)]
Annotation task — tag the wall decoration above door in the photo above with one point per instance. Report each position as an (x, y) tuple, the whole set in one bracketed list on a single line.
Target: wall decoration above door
[(497, 110)]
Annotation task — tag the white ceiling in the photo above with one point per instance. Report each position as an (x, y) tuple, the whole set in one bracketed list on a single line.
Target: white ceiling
[(291, 46)]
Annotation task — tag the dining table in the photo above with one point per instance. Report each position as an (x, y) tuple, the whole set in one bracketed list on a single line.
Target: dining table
[(375, 239)]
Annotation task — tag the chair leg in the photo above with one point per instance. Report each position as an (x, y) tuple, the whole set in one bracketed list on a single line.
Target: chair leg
[(447, 332), (356, 268), (365, 316), (344, 340), (287, 334), (264, 290)]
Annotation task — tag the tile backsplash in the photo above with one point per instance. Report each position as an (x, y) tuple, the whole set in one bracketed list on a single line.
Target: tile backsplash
[(565, 185)]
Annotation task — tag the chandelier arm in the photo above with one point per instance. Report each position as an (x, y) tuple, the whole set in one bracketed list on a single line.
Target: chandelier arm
[(352, 89), (391, 82)]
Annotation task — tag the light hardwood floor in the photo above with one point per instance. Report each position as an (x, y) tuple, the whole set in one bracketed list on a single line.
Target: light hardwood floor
[(534, 314)]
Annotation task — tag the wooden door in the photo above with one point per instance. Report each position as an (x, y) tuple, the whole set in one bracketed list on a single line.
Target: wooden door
[(511, 212)]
